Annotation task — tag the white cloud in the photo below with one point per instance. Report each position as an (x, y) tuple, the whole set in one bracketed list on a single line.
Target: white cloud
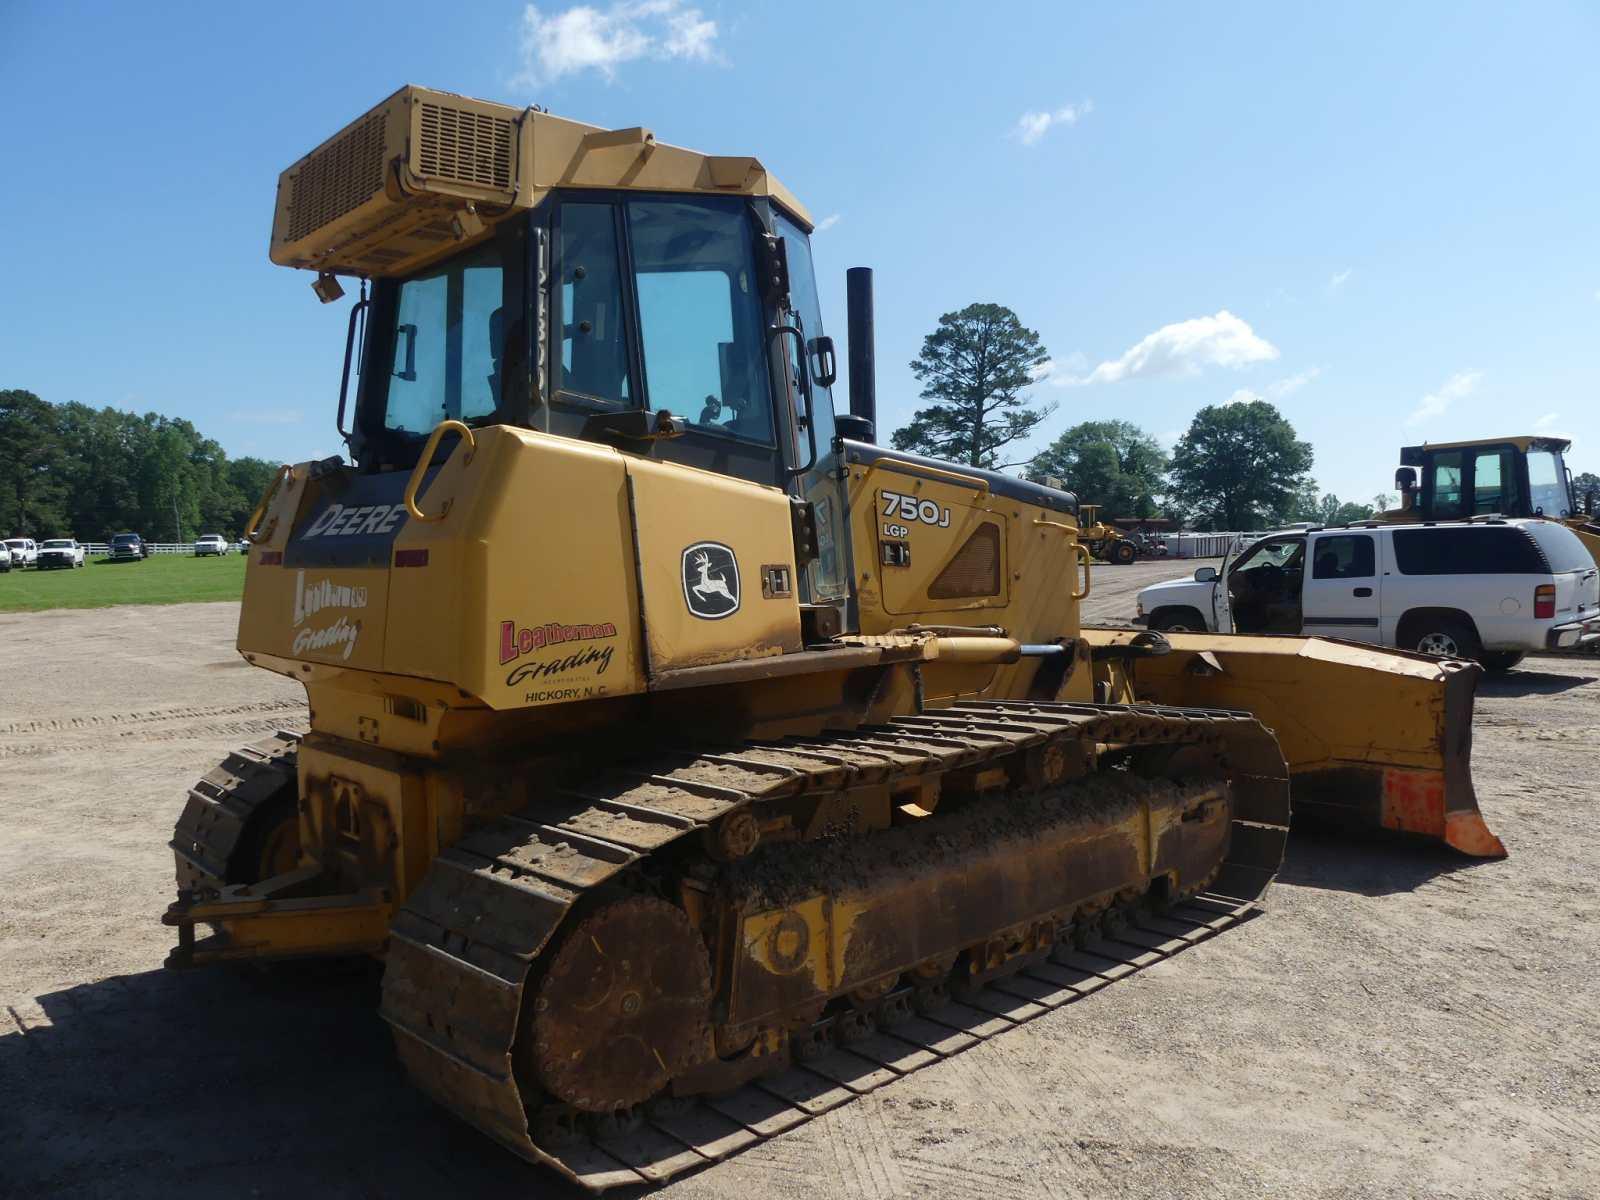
[(583, 38), (1292, 383), (1031, 126), (1183, 348), (1548, 421), (1340, 278), (1243, 396), (1434, 404), (827, 222)]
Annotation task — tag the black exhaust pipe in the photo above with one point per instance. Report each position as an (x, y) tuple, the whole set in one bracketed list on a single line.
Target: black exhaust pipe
[(863, 359)]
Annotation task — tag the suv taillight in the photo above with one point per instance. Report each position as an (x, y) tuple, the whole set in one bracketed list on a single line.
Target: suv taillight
[(1544, 600)]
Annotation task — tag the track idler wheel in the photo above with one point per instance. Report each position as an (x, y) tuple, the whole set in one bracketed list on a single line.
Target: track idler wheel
[(624, 1006)]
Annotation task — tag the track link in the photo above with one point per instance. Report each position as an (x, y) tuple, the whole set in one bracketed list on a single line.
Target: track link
[(220, 806), (462, 947)]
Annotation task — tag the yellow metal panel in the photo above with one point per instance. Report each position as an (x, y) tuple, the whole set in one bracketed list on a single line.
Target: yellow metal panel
[(702, 541), (529, 595)]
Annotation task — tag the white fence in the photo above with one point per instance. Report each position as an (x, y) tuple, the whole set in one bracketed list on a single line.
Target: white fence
[(98, 549), (1198, 545)]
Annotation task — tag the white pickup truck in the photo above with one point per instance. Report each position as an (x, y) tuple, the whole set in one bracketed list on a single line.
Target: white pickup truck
[(1485, 589)]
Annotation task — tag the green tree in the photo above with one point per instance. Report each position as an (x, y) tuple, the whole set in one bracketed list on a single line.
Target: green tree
[(973, 368), (1111, 463), (1326, 509), (1240, 466), (1582, 485), (32, 481)]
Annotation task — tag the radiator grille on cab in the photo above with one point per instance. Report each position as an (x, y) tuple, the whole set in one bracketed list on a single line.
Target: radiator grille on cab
[(338, 178), (464, 147)]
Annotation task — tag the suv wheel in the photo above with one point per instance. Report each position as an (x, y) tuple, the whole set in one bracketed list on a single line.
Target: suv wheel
[(1177, 620), (1443, 637), (1500, 660)]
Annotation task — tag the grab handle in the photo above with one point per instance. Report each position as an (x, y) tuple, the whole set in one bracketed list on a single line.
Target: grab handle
[(1082, 554), (252, 527), (409, 497)]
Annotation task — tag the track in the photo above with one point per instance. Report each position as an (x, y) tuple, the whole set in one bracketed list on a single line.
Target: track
[(462, 947), (220, 805)]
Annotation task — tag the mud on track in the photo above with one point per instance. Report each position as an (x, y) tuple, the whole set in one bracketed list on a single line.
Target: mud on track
[(1402, 1023)]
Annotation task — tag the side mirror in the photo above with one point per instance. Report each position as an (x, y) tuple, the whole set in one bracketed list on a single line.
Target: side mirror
[(1405, 479), (1204, 574)]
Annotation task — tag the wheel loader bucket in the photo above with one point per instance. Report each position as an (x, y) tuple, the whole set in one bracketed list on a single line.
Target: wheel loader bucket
[(1374, 738)]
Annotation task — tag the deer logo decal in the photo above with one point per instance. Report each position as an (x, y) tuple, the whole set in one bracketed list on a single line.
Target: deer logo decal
[(710, 581)]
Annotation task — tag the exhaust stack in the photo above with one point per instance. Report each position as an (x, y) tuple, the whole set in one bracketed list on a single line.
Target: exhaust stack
[(863, 359)]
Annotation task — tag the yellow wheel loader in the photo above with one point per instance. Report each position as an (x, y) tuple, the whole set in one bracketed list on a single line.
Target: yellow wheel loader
[(1105, 543), (1508, 477), (692, 762)]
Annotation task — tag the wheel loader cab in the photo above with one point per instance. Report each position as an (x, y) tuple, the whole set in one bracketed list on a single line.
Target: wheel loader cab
[(1511, 477), (678, 328)]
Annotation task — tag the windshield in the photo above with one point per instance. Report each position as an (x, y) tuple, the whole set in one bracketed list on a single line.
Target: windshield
[(124, 539), (1547, 484), (447, 332), (16, 544), (57, 544)]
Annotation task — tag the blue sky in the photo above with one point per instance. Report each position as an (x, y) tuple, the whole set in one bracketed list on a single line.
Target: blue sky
[(1381, 217)]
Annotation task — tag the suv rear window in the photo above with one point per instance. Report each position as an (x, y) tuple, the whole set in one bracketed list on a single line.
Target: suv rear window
[(1467, 551)]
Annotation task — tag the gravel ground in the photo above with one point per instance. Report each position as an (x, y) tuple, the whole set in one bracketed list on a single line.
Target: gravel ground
[(1402, 1023)]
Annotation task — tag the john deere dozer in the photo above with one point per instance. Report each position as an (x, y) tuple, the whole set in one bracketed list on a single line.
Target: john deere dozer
[(666, 732)]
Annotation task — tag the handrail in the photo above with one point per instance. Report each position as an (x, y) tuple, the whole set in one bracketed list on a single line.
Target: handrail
[(409, 496), (971, 481), (1083, 555), (251, 527)]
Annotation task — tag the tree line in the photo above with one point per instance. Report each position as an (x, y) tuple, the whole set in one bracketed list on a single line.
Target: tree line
[(68, 470), (1238, 466)]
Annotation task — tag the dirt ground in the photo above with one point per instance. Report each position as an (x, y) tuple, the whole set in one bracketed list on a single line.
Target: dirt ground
[(1402, 1023)]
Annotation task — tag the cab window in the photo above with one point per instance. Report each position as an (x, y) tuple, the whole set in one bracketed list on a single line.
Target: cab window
[(1345, 556), (447, 343), (594, 347), (1494, 482), (1447, 485), (699, 314), (1547, 485)]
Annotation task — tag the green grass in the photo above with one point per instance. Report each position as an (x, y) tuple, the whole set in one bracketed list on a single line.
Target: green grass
[(159, 579)]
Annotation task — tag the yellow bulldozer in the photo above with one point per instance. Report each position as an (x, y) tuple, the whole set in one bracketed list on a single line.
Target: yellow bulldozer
[(1508, 477), (687, 757)]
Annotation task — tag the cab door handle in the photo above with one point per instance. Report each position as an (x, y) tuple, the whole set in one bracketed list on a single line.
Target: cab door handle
[(1363, 591)]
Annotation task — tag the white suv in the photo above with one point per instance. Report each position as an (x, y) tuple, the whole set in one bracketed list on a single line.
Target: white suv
[(1485, 589)]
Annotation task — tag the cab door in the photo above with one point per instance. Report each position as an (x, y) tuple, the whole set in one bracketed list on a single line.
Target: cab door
[(1342, 588)]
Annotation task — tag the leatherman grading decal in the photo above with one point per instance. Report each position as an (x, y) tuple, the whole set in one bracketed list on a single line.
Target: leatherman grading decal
[(308, 601), (909, 508), (515, 642), (710, 581)]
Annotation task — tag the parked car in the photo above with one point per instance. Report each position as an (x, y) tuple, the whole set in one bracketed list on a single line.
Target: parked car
[(24, 552), (1485, 589), (5, 558), (60, 552), (127, 547), (211, 543)]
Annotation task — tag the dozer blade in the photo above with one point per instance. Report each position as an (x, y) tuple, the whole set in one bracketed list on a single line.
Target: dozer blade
[(1374, 738)]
